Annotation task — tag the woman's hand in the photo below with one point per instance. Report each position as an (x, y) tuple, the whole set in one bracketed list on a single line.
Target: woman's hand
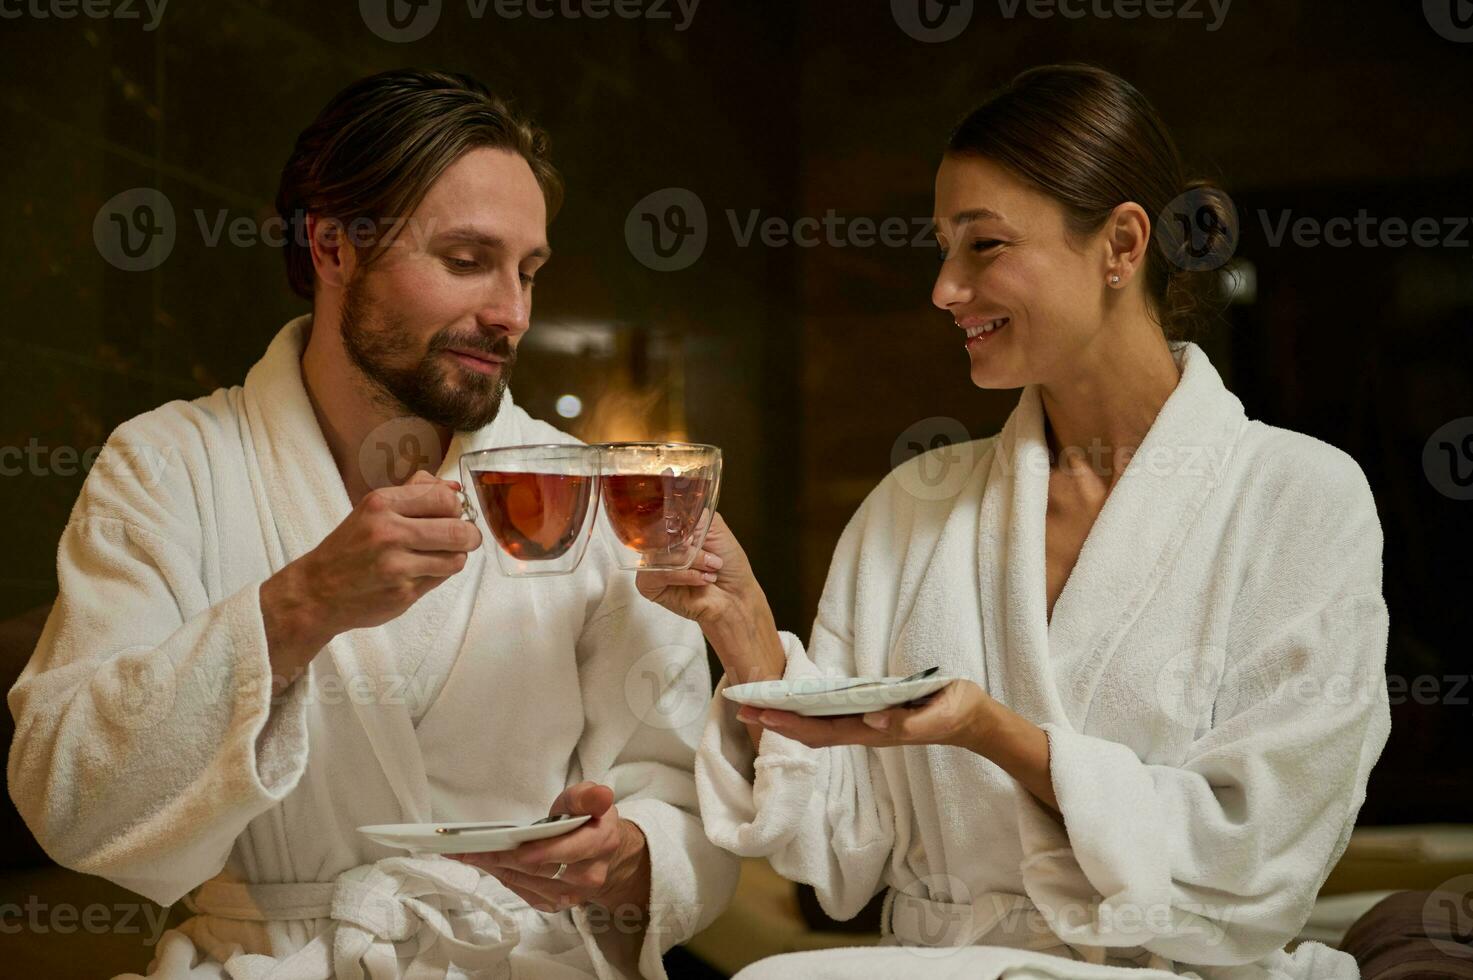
[(714, 589), (959, 714), (720, 593)]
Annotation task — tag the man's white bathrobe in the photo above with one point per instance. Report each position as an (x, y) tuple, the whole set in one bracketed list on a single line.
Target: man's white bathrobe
[(1211, 682), (148, 749)]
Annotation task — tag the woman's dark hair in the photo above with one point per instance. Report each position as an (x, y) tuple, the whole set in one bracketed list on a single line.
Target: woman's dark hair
[(370, 156), (1088, 139)]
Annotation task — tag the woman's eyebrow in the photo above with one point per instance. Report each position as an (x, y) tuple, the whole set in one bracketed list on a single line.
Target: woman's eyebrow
[(975, 214)]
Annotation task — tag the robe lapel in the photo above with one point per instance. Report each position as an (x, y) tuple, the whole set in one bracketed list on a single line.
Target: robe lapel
[(1011, 569), (1139, 532), (438, 606), (305, 499), (1048, 671)]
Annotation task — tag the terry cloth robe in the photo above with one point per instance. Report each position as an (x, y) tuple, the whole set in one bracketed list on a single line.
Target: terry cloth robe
[(149, 750), (1211, 684)]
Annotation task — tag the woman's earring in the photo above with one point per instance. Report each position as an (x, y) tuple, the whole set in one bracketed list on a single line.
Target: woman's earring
[(1114, 280)]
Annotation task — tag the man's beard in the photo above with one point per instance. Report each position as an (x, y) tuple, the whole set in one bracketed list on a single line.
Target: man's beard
[(376, 342)]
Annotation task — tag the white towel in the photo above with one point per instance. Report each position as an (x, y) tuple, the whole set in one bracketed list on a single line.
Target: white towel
[(1212, 685), (148, 749)]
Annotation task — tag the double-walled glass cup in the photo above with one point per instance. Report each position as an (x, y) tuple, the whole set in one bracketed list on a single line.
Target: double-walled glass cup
[(539, 503), (659, 498)]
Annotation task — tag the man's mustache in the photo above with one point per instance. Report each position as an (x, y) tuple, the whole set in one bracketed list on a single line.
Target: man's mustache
[(502, 348)]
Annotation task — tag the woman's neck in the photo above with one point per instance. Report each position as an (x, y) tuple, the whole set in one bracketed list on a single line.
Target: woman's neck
[(1100, 413)]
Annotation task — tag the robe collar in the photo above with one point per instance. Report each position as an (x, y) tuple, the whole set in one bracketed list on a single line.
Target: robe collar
[(1049, 670), (306, 499), (293, 453)]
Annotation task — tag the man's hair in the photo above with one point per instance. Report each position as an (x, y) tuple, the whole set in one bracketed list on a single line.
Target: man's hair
[(371, 155)]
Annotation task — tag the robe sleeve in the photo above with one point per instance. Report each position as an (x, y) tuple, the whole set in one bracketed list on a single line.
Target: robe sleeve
[(146, 734), (645, 683), (821, 816), (1217, 860)]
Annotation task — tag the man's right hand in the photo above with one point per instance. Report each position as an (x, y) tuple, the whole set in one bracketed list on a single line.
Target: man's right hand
[(397, 544)]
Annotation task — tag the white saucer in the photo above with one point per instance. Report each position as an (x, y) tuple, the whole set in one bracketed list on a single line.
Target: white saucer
[(820, 697), (499, 835)]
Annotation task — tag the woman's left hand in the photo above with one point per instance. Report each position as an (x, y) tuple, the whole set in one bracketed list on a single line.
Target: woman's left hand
[(959, 714)]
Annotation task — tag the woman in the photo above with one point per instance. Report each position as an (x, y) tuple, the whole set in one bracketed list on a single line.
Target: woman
[(1168, 617)]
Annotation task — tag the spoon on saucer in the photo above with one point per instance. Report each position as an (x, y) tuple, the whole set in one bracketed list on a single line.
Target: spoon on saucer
[(917, 676), (553, 818)]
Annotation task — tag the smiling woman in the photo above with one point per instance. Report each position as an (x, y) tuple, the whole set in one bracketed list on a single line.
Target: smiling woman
[(1127, 771), (1090, 143), (1041, 182)]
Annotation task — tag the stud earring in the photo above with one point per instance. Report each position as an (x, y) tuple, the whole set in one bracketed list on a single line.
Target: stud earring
[(1114, 280)]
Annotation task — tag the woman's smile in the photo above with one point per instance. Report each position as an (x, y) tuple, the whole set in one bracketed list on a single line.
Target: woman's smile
[(981, 329)]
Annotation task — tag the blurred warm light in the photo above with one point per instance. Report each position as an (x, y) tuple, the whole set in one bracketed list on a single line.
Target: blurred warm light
[(629, 379), (624, 414), (575, 338)]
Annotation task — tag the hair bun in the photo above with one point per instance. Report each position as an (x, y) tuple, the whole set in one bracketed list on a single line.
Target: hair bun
[(1198, 230), (1197, 234)]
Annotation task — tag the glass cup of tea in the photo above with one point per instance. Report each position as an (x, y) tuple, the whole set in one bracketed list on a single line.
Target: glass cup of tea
[(659, 498), (538, 501)]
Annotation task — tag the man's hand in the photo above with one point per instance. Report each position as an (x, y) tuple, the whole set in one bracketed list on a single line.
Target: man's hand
[(397, 544), (608, 863)]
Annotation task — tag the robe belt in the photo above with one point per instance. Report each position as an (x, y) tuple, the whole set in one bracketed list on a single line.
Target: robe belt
[(997, 919), (374, 907)]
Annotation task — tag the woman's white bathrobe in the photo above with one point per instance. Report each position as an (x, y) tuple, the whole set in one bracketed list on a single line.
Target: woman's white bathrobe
[(148, 749), (1212, 685)]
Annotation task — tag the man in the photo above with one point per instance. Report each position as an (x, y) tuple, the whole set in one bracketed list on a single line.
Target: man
[(263, 641)]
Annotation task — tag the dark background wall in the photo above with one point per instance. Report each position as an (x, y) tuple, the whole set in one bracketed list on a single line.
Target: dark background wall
[(807, 364)]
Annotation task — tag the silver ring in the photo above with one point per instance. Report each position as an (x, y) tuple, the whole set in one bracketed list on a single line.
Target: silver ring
[(559, 872), (467, 512)]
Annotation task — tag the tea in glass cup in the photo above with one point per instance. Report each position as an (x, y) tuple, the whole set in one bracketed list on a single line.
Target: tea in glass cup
[(659, 498), (539, 503)]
